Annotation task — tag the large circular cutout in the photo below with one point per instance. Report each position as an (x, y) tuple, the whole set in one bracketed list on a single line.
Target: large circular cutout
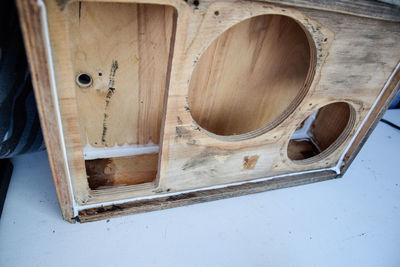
[(251, 77), (321, 133)]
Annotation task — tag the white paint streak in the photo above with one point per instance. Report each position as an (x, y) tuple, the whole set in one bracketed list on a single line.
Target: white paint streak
[(125, 150), (98, 205), (77, 208), (305, 131), (340, 162), (56, 104)]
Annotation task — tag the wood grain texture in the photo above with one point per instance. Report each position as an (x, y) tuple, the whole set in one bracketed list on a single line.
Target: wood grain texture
[(251, 75), (354, 56), (125, 49), (184, 199), (363, 8), (32, 29), (330, 123), (106, 173), (373, 120), (331, 126)]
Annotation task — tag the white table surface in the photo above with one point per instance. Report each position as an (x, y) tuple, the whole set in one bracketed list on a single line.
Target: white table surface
[(353, 221)]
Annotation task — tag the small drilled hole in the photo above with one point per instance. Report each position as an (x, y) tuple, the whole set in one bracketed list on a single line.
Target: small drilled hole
[(196, 2), (216, 13), (84, 80)]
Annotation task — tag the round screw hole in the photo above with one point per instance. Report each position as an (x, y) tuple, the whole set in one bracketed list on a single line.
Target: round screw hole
[(84, 80), (196, 2), (216, 13)]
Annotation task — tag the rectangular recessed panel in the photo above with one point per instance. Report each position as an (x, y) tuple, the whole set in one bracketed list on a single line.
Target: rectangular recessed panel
[(104, 173), (121, 57)]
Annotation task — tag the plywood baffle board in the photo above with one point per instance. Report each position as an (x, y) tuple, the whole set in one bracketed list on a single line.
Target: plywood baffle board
[(152, 104)]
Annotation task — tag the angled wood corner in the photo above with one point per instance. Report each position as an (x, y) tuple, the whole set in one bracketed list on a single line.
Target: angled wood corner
[(36, 47), (150, 104)]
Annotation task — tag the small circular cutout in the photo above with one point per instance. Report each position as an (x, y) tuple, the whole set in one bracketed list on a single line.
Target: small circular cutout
[(321, 133), (251, 77), (84, 80)]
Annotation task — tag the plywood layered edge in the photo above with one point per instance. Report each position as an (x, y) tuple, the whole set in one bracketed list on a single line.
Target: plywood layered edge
[(37, 47)]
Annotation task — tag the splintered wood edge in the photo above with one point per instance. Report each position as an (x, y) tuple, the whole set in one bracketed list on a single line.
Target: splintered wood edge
[(35, 46), (185, 199)]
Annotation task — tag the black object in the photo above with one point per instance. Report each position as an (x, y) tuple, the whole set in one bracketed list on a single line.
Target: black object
[(390, 124), (5, 174), (19, 121)]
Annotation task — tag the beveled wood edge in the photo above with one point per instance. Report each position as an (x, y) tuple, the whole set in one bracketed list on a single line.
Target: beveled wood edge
[(184, 199), (362, 8), (382, 106), (35, 46)]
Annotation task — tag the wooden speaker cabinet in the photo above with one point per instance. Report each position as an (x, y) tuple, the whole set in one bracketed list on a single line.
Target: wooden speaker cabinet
[(151, 104)]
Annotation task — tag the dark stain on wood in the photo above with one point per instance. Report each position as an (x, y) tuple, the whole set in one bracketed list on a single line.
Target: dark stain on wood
[(100, 172), (80, 11), (110, 93), (181, 131), (180, 197), (302, 149), (204, 158), (202, 196), (249, 162), (179, 121), (62, 4)]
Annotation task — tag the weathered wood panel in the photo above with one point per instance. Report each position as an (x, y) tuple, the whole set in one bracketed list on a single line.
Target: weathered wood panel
[(354, 49)]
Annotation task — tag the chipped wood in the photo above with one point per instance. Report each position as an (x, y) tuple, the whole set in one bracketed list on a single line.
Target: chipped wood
[(173, 73)]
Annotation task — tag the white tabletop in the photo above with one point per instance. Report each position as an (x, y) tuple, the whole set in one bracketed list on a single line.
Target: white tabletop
[(353, 221)]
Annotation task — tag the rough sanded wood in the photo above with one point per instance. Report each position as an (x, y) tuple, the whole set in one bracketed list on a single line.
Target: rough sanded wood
[(178, 74), (128, 68)]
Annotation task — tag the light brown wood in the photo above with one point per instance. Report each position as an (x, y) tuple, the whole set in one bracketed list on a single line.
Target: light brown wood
[(332, 124), (35, 45), (105, 173), (125, 49), (252, 76), (342, 58)]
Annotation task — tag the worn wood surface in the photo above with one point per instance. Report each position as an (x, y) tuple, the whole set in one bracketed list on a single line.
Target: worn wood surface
[(363, 8), (122, 171), (125, 49), (344, 58), (377, 114), (35, 45), (140, 206)]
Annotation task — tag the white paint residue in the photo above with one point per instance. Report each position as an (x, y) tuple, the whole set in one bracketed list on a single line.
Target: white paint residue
[(98, 205), (221, 158), (93, 151), (340, 162), (304, 132), (54, 89), (125, 150)]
